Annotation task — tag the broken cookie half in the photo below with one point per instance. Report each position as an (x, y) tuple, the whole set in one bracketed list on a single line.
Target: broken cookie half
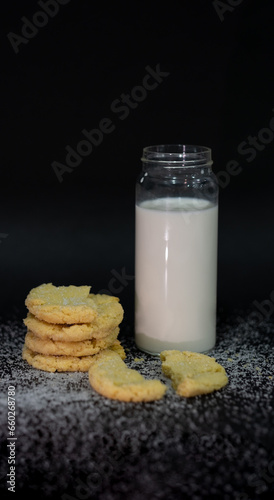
[(110, 377), (192, 373)]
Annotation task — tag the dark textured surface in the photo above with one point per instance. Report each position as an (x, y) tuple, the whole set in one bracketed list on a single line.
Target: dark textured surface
[(74, 444)]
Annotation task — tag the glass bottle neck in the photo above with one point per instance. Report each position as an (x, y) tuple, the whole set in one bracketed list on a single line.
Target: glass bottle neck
[(166, 171), (177, 156)]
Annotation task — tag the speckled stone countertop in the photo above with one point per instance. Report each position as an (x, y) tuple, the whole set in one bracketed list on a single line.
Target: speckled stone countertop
[(71, 443)]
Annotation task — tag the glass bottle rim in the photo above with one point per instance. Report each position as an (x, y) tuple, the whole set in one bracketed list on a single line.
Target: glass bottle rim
[(177, 155)]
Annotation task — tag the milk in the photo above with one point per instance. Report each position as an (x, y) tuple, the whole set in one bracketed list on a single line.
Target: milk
[(176, 274)]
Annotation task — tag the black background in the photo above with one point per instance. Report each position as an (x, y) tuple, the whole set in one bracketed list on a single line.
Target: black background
[(218, 92)]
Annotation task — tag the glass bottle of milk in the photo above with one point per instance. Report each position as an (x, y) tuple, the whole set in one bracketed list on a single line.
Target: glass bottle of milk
[(176, 250)]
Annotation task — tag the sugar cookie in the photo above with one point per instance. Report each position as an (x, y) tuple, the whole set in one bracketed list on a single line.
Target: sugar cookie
[(110, 377), (81, 348), (192, 373), (109, 315), (58, 363), (63, 304)]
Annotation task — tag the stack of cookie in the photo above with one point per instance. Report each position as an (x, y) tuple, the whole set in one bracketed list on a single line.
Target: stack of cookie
[(68, 325)]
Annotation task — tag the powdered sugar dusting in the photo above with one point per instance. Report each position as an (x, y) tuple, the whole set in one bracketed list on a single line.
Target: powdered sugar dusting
[(72, 441)]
